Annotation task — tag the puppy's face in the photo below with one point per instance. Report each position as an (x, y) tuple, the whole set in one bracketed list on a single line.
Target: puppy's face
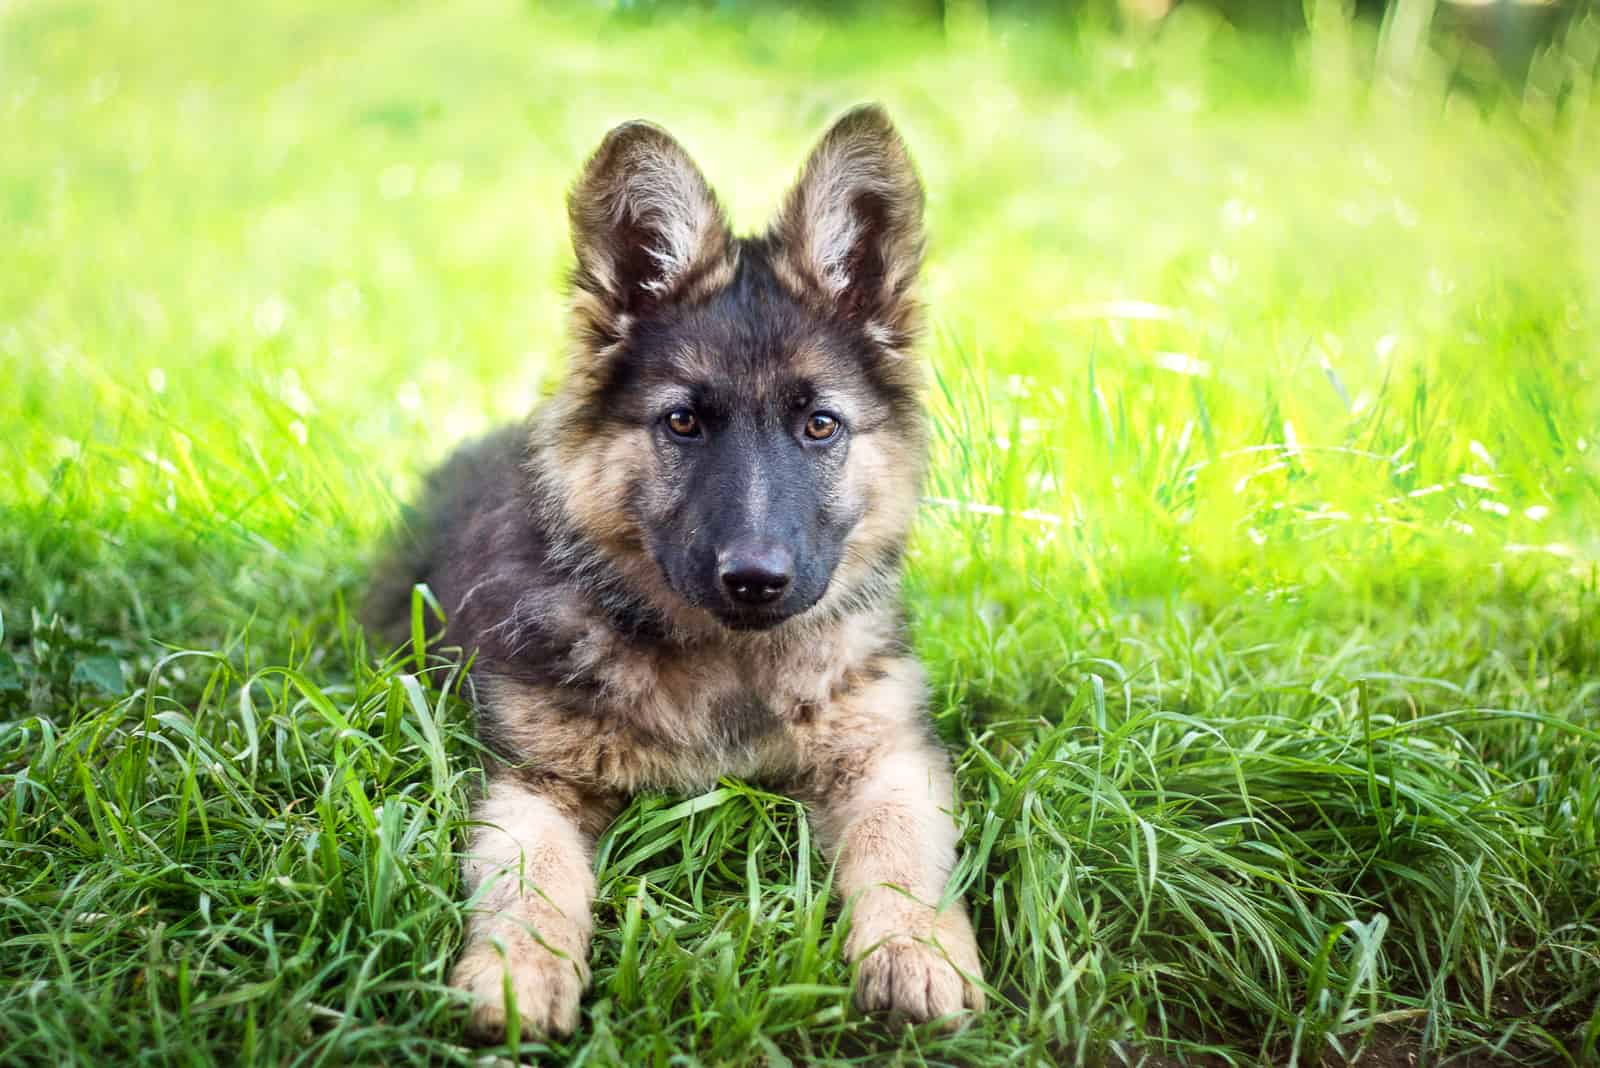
[(758, 412), (748, 413)]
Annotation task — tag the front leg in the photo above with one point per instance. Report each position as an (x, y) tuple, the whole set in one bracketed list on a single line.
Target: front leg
[(530, 866), (883, 814)]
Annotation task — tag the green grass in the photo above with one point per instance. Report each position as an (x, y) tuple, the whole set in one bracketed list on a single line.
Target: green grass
[(1260, 581)]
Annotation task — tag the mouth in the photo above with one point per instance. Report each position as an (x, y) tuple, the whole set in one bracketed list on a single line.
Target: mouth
[(747, 620), (768, 617), (734, 617)]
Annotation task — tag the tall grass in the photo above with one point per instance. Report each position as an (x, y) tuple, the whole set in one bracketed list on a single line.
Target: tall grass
[(1257, 578)]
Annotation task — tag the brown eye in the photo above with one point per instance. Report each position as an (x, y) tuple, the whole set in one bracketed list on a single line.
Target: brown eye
[(682, 422), (821, 426)]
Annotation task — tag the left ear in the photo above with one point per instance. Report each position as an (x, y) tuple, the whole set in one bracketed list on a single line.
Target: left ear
[(646, 228), (849, 235)]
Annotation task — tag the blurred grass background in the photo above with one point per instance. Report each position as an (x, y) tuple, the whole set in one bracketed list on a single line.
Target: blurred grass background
[(1258, 576)]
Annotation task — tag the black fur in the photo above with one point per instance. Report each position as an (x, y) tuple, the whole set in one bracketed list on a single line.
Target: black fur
[(753, 354), (487, 526)]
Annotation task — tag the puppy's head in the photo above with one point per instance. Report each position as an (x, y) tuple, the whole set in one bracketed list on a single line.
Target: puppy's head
[(743, 413)]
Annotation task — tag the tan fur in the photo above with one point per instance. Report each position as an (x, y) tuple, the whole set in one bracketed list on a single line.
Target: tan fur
[(640, 180), (529, 869), (665, 731), (823, 224), (881, 808), (640, 175), (827, 705), (845, 736), (882, 474), (876, 476), (598, 471)]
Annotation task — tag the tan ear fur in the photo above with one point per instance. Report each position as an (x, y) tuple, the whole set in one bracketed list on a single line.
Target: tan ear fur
[(646, 228), (849, 235)]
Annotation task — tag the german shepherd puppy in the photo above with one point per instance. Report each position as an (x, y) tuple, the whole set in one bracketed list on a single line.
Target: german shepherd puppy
[(685, 565)]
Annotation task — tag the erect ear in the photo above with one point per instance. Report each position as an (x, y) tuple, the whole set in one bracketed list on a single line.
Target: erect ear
[(849, 234), (646, 227)]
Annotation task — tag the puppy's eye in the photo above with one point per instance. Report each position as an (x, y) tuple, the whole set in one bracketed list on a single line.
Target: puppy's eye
[(683, 422), (820, 426)]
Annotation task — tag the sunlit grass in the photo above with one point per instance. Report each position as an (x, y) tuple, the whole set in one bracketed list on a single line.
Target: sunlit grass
[(1258, 578)]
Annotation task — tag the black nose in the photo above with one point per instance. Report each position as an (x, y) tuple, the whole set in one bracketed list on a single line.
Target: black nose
[(758, 575)]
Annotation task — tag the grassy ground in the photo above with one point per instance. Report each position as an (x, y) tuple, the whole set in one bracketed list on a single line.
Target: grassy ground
[(1259, 577)]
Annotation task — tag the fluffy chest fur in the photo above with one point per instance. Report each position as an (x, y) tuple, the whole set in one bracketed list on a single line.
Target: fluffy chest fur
[(588, 672), (672, 716)]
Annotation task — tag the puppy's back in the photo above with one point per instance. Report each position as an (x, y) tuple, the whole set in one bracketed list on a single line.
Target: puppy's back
[(478, 478)]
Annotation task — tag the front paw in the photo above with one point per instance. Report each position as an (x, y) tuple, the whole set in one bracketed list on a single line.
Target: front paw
[(546, 985), (920, 967)]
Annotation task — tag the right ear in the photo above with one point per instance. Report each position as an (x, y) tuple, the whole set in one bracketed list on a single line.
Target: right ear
[(646, 228), (849, 234)]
